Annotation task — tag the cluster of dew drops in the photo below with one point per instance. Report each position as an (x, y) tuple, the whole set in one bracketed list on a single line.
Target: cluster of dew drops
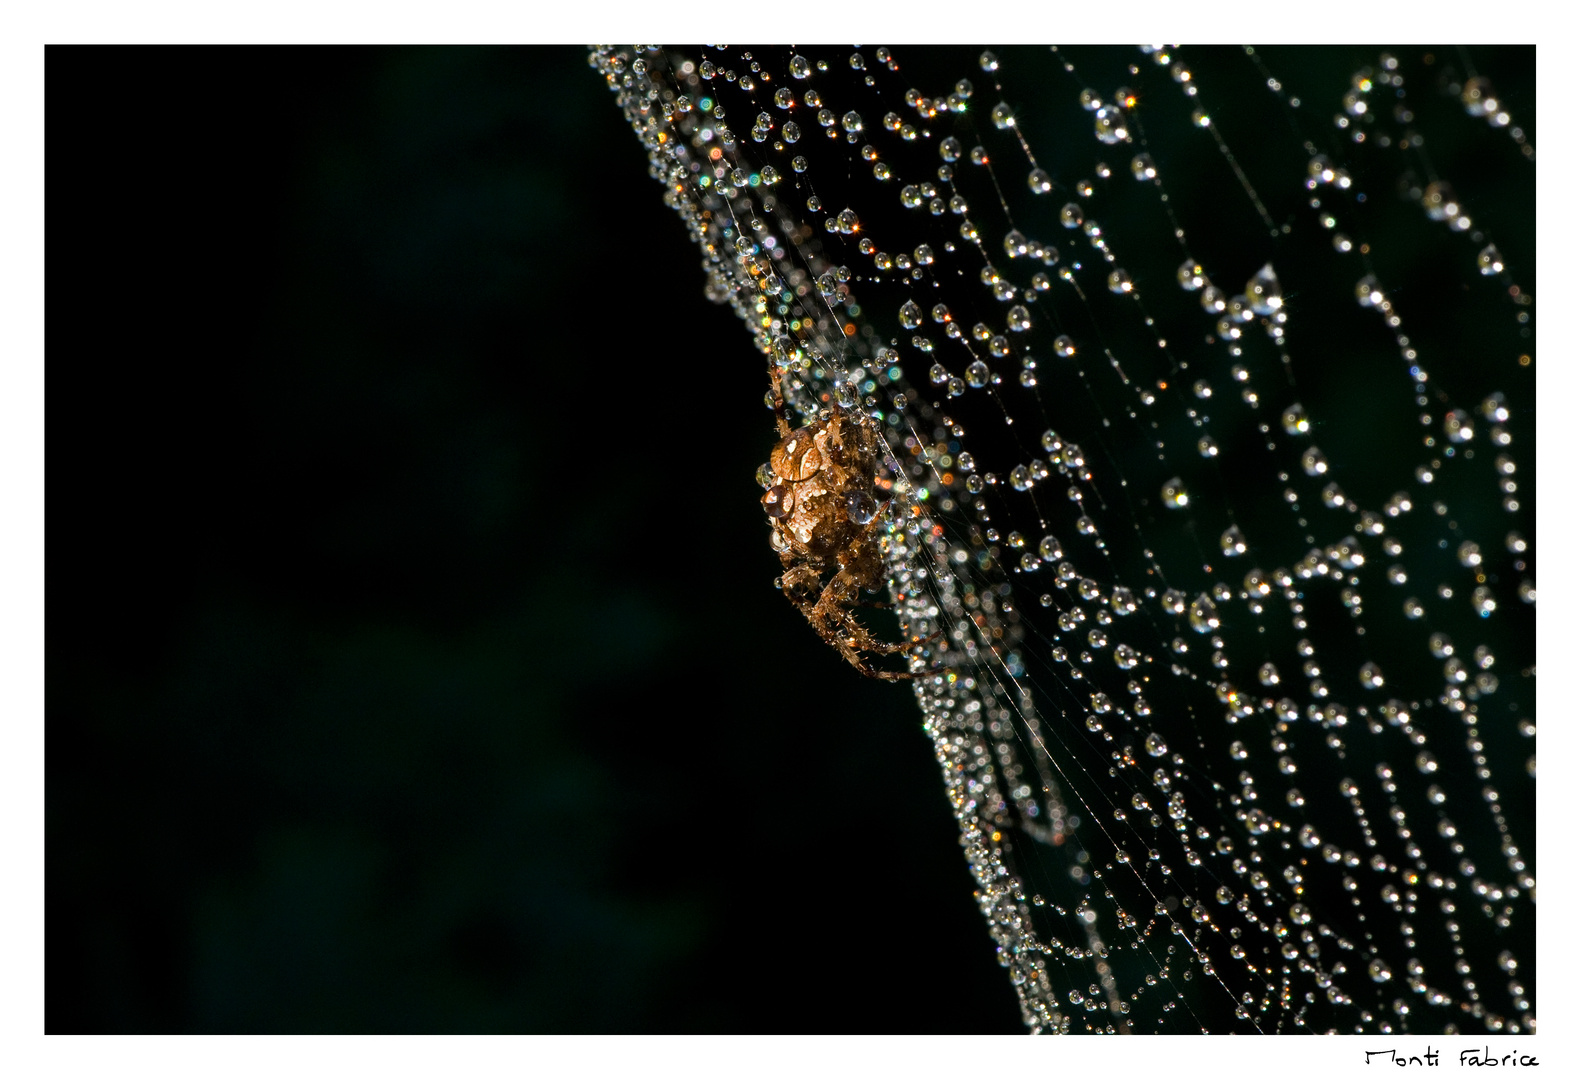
[(757, 223)]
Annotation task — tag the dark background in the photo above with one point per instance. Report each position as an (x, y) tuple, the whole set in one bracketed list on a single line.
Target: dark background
[(413, 659)]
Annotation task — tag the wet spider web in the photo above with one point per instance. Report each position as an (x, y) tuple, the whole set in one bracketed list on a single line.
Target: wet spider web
[(1207, 380)]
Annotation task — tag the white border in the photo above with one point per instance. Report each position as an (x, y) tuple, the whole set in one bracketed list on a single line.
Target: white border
[(21, 533)]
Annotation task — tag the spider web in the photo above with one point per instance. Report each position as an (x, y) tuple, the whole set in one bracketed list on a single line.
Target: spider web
[(1206, 377)]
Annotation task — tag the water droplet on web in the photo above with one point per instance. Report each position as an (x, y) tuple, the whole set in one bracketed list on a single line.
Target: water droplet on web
[(1109, 125), (1204, 614), (1174, 494), (1458, 426), (1262, 291), (1438, 199), (1482, 601)]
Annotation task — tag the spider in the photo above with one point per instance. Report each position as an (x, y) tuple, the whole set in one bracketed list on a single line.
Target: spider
[(825, 517)]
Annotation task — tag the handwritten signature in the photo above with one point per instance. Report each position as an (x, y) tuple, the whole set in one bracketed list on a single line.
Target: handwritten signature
[(1429, 1058)]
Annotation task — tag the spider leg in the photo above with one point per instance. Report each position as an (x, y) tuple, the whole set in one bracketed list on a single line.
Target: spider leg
[(780, 417), (839, 627)]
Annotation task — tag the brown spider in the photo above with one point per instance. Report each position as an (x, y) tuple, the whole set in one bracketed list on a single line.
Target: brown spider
[(825, 517)]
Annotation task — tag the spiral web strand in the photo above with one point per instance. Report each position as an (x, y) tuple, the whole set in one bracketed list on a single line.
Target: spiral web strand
[(1233, 684)]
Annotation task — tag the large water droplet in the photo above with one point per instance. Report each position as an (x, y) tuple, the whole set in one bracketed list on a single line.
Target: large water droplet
[(1109, 125), (1262, 291)]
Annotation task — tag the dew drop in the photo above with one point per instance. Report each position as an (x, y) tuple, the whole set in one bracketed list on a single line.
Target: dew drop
[(1262, 291), (1204, 614), (1109, 125)]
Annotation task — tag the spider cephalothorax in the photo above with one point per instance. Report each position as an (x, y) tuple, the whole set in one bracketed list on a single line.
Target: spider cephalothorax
[(826, 514)]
